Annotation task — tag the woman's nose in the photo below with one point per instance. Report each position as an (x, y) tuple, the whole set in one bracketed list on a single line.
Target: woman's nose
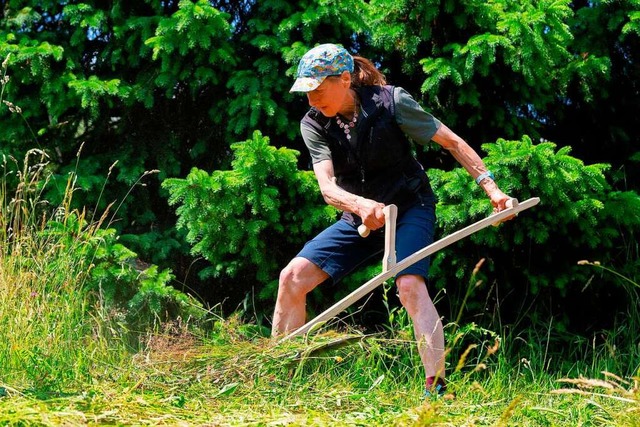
[(312, 98)]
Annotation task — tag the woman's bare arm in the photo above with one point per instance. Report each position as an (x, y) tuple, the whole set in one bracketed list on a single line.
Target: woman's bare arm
[(369, 210)]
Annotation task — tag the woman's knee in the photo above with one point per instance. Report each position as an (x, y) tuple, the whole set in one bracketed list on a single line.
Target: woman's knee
[(300, 277), (412, 290)]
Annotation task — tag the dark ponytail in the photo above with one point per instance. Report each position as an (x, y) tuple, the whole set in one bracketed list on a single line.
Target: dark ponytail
[(365, 73)]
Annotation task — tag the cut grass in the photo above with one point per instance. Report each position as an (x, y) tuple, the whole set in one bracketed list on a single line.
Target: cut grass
[(233, 379)]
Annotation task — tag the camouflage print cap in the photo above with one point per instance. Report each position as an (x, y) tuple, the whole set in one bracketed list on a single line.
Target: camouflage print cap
[(320, 62)]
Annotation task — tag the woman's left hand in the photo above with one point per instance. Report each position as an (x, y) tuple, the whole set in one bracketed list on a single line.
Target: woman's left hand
[(500, 202)]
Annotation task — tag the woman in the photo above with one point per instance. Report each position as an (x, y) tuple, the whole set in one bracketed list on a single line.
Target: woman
[(358, 133)]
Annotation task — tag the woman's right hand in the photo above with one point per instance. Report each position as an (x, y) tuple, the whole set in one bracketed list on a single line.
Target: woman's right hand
[(371, 212)]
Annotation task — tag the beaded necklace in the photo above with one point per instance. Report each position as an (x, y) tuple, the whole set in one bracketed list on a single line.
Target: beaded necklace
[(348, 126)]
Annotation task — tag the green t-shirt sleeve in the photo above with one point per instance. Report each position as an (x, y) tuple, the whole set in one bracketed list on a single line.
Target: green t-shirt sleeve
[(317, 145), (416, 123)]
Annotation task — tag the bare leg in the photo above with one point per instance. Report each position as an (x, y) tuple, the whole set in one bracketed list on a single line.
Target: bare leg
[(297, 279), (426, 323)]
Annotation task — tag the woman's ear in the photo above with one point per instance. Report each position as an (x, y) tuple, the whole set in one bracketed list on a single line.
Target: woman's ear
[(345, 78)]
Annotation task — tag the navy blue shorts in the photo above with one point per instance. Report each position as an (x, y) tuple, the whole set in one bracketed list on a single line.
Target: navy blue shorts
[(339, 249)]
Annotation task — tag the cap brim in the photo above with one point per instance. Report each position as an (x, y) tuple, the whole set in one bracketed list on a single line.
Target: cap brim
[(306, 84)]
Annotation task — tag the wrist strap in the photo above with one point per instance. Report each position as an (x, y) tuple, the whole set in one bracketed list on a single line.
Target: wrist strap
[(487, 174)]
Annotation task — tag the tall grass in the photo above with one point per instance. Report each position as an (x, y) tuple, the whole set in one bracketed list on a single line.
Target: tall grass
[(51, 328), (73, 303)]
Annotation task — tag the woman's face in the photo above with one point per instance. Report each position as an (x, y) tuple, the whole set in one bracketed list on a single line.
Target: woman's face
[(330, 97)]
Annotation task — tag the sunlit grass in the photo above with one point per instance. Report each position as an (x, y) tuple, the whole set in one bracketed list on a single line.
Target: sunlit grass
[(232, 376), (51, 329)]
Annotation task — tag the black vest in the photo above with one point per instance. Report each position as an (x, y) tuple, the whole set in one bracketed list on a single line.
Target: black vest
[(381, 166)]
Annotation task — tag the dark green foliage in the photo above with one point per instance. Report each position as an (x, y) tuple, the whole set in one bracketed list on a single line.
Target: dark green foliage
[(197, 32), (596, 118), (470, 52), (248, 221), (169, 86), (135, 83), (579, 217)]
